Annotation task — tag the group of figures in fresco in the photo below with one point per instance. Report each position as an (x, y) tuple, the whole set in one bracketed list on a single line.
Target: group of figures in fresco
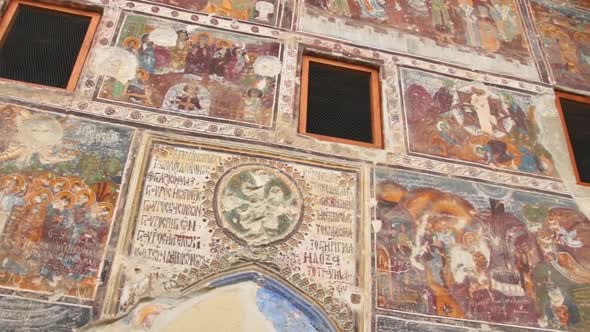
[(565, 37), (473, 122), (463, 250), (492, 26), (254, 10), (201, 73), (57, 196)]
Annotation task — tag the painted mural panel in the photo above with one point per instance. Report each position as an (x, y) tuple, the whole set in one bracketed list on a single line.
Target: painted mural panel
[(204, 211), (467, 121), (466, 250), (59, 183), (491, 28), (186, 69), (565, 38), (258, 11), (17, 314)]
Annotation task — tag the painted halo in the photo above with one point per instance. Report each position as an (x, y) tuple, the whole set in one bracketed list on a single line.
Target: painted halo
[(258, 205)]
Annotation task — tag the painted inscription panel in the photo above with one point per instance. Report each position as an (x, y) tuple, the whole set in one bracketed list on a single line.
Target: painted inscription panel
[(204, 211), (565, 38), (59, 183), (186, 69), (466, 250), (462, 120), (258, 11)]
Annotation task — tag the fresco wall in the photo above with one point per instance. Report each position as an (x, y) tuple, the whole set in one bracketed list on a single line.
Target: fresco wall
[(172, 189), (467, 250)]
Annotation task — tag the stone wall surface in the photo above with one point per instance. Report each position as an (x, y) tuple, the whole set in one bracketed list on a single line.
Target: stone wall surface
[(172, 191)]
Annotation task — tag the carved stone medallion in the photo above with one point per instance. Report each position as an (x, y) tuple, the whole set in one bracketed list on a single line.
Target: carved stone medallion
[(258, 205)]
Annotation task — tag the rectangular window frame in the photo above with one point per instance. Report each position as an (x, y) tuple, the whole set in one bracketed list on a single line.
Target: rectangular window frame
[(8, 18), (582, 99), (375, 86)]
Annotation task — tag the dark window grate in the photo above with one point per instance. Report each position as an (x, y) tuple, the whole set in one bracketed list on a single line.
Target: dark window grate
[(42, 46), (339, 102), (577, 118)]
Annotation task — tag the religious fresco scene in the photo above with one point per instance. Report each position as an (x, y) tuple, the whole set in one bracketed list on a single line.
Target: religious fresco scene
[(565, 39), (204, 211), (259, 11), (467, 121), (486, 26), (59, 184), (467, 250), (175, 68)]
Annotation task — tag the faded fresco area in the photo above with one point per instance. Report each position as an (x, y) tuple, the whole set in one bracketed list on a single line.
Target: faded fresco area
[(253, 305), (580, 3), (59, 183), (472, 122), (565, 38), (17, 314), (487, 26), (471, 251), (259, 11), (204, 211), (175, 68)]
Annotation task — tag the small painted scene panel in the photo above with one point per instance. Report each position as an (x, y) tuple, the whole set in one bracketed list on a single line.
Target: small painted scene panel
[(59, 184), (258, 11), (487, 26), (467, 250), (181, 69), (565, 38), (462, 120)]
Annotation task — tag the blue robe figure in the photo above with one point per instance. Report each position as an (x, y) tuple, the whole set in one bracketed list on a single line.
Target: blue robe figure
[(146, 55)]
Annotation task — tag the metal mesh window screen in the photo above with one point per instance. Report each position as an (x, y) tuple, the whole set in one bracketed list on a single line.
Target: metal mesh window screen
[(42, 46), (339, 102), (577, 120)]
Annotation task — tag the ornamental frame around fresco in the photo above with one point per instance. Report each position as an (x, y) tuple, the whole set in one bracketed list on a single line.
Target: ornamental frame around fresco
[(548, 278), (472, 123), (223, 250), (276, 13), (563, 33), (74, 166), (198, 76)]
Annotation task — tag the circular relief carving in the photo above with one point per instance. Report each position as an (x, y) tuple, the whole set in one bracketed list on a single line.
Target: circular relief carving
[(258, 205)]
